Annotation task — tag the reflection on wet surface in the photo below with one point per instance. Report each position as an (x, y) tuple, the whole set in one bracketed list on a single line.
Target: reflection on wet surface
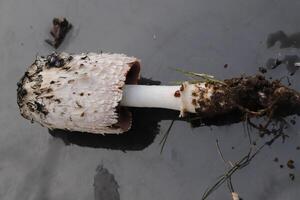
[(288, 60), (286, 41)]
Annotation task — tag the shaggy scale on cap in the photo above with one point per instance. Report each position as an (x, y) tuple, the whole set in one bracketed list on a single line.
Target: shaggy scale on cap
[(78, 92)]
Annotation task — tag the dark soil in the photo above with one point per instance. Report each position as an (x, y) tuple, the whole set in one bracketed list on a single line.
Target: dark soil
[(251, 96)]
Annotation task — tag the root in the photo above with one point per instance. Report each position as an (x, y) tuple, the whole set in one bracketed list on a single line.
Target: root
[(276, 134)]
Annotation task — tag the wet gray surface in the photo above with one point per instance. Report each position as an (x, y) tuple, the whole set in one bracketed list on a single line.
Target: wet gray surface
[(195, 35)]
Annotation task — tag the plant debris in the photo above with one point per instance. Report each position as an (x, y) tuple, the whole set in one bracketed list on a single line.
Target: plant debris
[(59, 30), (233, 167)]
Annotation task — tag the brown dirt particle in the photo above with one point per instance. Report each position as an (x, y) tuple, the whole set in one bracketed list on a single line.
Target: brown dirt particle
[(57, 100), (49, 97), (77, 103), (290, 164), (281, 166), (194, 102), (177, 93), (181, 88)]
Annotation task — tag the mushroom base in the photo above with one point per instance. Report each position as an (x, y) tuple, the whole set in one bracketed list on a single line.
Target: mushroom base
[(251, 96)]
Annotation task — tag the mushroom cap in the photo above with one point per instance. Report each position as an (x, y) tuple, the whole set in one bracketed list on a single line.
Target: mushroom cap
[(79, 92)]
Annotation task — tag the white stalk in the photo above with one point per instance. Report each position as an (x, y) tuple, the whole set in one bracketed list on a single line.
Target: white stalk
[(151, 96), (183, 98)]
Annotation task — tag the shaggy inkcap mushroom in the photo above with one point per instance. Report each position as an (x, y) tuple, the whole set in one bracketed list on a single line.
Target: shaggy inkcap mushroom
[(78, 92), (90, 93)]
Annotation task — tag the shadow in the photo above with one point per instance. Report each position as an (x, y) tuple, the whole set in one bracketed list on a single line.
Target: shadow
[(289, 62), (145, 127), (286, 41), (235, 116), (142, 134)]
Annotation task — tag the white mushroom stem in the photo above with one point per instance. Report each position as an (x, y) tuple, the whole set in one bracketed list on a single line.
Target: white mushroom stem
[(151, 97), (168, 97)]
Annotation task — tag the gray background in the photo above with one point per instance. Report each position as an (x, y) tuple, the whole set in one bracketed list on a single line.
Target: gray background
[(199, 35)]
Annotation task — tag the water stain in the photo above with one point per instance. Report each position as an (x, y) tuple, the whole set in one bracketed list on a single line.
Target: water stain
[(105, 185), (286, 41), (288, 61)]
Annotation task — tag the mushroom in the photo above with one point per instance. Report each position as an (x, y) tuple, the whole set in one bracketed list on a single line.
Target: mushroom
[(91, 92)]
